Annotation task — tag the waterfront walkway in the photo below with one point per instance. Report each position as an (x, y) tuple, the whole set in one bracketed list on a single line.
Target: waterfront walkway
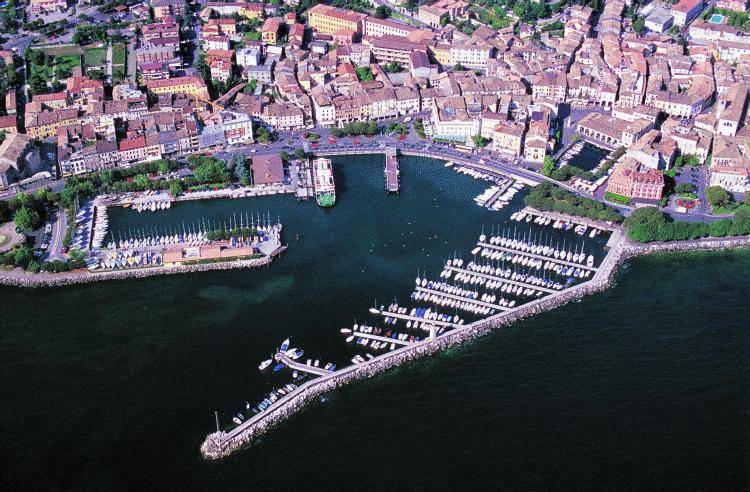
[(597, 224)]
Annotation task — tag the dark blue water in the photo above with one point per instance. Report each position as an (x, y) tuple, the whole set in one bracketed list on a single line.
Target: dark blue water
[(588, 158), (114, 385)]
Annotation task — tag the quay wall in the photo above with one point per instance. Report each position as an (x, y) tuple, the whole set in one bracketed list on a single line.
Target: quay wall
[(221, 444), (18, 278)]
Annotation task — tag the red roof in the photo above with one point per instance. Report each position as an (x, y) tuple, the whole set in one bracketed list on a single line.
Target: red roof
[(7, 121), (686, 6), (175, 81), (132, 143)]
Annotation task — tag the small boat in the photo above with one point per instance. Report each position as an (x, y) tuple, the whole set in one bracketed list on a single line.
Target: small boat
[(374, 310), (264, 365), (349, 339), (284, 346), (278, 367), (346, 330)]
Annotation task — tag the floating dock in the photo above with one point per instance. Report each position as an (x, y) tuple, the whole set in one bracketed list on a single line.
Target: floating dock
[(318, 371), (499, 193), (503, 280), (391, 170), (528, 254), (381, 339)]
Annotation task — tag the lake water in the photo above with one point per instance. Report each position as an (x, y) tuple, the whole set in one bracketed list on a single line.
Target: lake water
[(114, 385)]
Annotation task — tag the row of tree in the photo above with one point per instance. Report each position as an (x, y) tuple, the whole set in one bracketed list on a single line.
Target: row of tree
[(651, 224), (369, 128), (550, 197)]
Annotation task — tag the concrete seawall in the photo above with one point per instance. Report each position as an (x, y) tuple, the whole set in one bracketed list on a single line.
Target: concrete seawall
[(19, 278), (220, 444)]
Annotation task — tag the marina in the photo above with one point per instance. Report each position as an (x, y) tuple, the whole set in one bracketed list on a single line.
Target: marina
[(507, 272)]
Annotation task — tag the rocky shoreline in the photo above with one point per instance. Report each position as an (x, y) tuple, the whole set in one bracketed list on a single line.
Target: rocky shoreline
[(221, 444), (18, 278)]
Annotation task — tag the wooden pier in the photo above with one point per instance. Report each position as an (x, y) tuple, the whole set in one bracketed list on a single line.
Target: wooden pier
[(381, 339), (391, 170), (408, 317), (536, 256), (478, 302), (499, 193), (318, 371), (502, 280)]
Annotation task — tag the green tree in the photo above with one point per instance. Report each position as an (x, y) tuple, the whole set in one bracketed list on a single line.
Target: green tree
[(175, 187), (479, 141), (26, 219), (142, 181), (163, 168), (22, 256), (365, 74), (717, 196), (548, 167), (211, 171), (107, 177), (242, 173), (382, 12), (639, 25), (300, 153)]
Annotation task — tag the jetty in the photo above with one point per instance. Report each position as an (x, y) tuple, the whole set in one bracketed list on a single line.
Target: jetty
[(391, 170), (318, 371), (500, 192)]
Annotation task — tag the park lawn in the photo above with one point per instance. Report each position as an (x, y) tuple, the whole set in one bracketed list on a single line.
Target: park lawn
[(729, 209), (44, 71), (95, 57), (614, 197), (119, 54), (68, 60)]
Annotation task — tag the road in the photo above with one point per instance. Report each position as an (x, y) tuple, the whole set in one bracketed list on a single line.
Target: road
[(55, 251)]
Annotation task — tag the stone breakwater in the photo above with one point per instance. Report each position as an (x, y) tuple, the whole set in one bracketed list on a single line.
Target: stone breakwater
[(221, 444), (18, 278)]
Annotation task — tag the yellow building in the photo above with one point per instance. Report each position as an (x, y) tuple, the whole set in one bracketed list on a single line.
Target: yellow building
[(508, 138), (180, 85), (329, 20), (442, 53), (270, 30), (431, 15), (45, 124)]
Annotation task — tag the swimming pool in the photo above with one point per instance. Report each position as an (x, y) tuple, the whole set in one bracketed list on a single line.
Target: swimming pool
[(716, 19)]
